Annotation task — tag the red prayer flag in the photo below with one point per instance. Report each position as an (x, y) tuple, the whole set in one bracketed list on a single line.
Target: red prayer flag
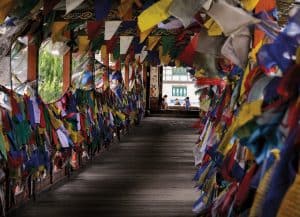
[(187, 56)]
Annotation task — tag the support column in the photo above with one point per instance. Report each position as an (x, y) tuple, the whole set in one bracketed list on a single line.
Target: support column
[(126, 78), (67, 66), (32, 71)]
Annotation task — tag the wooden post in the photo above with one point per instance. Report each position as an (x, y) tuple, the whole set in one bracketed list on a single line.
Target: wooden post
[(67, 66), (144, 74), (147, 86), (126, 78), (33, 51)]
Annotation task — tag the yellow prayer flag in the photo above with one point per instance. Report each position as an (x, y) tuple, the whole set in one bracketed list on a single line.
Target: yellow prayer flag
[(249, 5), (154, 14), (103, 53), (57, 30), (246, 73), (248, 112), (255, 50), (5, 7), (164, 59), (105, 108), (144, 35), (213, 29), (83, 44), (152, 42), (121, 115)]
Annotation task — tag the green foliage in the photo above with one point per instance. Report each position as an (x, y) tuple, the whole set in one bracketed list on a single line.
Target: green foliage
[(50, 75)]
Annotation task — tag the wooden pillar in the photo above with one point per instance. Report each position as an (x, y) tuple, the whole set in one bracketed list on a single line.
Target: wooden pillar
[(33, 51), (126, 78), (147, 86), (67, 66), (144, 74)]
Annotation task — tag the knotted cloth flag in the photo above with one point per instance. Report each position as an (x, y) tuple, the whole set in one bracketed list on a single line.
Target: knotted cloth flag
[(210, 44), (229, 17), (185, 10), (187, 56), (237, 46), (154, 15)]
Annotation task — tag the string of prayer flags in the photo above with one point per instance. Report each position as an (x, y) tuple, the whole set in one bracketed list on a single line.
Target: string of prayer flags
[(154, 15), (185, 10), (111, 28), (102, 8)]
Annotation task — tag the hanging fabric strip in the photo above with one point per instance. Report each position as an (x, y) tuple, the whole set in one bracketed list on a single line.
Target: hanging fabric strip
[(93, 28), (152, 42), (154, 15), (237, 46), (102, 8), (229, 17), (145, 34), (125, 42), (83, 43), (111, 28), (57, 30), (185, 10), (187, 56)]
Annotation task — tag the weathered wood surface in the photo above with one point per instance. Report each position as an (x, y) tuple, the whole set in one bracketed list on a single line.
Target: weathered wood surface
[(148, 174)]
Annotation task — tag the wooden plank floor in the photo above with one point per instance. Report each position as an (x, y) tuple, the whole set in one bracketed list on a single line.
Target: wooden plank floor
[(148, 174)]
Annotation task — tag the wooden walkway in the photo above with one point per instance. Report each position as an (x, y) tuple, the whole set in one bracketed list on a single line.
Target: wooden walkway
[(149, 174)]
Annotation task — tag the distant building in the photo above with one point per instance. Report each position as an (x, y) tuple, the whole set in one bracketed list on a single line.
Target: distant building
[(178, 84)]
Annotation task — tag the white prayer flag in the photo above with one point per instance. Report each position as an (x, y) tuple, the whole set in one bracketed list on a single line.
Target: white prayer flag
[(72, 4), (110, 28), (125, 42)]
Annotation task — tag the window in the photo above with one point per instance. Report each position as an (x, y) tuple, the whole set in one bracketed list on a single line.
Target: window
[(179, 91), (176, 74)]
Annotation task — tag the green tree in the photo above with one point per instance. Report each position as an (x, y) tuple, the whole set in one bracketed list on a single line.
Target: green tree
[(50, 75)]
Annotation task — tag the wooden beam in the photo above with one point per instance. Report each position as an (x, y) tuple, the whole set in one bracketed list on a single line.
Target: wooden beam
[(126, 78), (67, 66), (33, 50)]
